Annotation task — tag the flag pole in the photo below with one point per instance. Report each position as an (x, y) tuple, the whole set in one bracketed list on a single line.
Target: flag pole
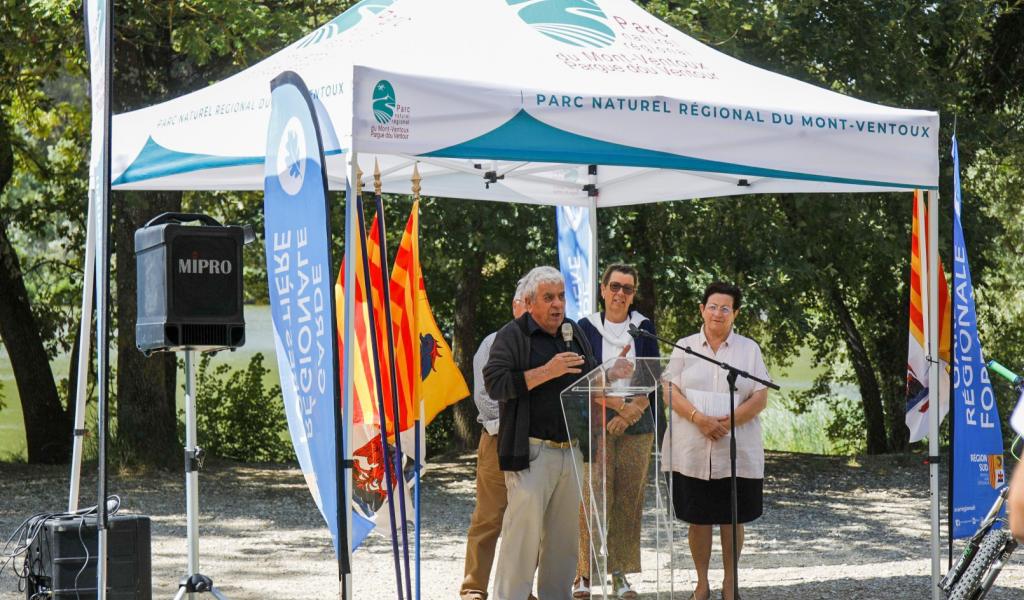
[(934, 410), (376, 351), (389, 330), (952, 396), (344, 429), (99, 31), (420, 434)]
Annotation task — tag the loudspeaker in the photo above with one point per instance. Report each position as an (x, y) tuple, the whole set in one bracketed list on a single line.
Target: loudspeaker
[(189, 284), (62, 559)]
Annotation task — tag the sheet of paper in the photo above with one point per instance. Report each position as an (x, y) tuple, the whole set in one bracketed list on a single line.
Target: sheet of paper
[(712, 404)]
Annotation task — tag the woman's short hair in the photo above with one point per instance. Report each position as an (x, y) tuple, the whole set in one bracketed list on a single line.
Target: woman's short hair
[(532, 280), (620, 268), (720, 287)]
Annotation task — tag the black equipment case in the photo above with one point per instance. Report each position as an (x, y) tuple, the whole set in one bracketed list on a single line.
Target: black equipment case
[(57, 554)]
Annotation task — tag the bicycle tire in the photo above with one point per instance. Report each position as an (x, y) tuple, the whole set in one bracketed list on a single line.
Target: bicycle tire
[(990, 548)]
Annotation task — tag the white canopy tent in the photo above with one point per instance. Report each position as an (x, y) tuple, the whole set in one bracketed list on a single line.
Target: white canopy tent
[(541, 87), (591, 103)]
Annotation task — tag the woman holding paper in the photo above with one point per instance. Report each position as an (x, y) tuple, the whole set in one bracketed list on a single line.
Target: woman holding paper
[(697, 449), (624, 452)]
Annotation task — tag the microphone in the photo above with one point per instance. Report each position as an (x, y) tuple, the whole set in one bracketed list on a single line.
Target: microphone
[(634, 331), (567, 334)]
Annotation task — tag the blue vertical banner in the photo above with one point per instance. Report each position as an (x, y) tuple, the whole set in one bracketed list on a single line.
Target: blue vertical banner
[(574, 256), (298, 254), (978, 471)]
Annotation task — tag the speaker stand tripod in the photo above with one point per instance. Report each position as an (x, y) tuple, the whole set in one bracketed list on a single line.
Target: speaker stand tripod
[(193, 582)]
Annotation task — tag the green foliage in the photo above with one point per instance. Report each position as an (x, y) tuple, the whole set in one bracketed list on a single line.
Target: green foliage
[(237, 417), (822, 272), (440, 433)]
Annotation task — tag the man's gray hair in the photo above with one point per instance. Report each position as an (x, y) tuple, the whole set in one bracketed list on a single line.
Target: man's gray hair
[(520, 291), (528, 285)]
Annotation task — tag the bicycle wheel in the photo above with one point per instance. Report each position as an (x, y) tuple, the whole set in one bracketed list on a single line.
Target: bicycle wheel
[(989, 549)]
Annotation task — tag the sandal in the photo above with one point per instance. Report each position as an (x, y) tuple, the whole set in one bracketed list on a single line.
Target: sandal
[(621, 587), (581, 588)]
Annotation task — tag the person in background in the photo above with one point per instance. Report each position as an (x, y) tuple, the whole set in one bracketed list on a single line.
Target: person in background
[(697, 450), (1015, 497), (491, 496), (1015, 505), (529, 366), (624, 453)]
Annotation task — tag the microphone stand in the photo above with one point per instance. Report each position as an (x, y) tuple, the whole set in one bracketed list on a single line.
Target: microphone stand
[(733, 375)]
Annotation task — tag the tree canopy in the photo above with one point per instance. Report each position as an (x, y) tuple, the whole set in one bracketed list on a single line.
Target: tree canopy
[(828, 273)]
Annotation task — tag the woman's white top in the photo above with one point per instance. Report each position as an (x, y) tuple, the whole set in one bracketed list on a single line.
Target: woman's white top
[(685, 449)]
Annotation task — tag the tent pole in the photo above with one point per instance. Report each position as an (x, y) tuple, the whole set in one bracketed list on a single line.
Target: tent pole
[(592, 210), (84, 354), (934, 410), (348, 396), (595, 285)]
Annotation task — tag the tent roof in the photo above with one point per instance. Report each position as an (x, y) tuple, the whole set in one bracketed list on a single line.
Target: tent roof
[(511, 100)]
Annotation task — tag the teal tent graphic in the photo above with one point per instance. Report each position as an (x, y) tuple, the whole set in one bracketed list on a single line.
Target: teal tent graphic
[(345, 21), (383, 102), (579, 23)]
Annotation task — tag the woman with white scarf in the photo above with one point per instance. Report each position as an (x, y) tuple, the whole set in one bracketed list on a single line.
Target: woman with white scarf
[(630, 434)]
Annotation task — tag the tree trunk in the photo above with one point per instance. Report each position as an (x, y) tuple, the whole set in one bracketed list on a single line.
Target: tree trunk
[(467, 429), (871, 396), (146, 410), (47, 427), (646, 260)]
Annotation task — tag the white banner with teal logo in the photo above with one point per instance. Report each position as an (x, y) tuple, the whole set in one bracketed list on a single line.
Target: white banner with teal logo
[(301, 288), (510, 100), (978, 470), (574, 259)]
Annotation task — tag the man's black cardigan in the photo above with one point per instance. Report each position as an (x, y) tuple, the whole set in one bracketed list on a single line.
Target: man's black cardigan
[(505, 381)]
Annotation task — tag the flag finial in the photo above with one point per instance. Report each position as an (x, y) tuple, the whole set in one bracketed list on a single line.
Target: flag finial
[(416, 182), (376, 177), (359, 180)]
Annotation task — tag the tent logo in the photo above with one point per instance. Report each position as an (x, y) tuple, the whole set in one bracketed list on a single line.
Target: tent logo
[(291, 157), (383, 102), (345, 21), (579, 23)]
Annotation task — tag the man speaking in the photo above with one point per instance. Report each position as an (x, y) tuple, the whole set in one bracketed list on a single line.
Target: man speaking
[(532, 360)]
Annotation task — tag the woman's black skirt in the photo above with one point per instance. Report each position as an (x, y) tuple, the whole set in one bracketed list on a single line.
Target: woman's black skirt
[(701, 502)]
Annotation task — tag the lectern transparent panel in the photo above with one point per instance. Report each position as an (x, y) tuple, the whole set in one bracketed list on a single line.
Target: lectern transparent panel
[(618, 413)]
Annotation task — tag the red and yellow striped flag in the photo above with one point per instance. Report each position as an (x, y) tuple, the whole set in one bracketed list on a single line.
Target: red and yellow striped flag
[(917, 350), (364, 408), (424, 361)]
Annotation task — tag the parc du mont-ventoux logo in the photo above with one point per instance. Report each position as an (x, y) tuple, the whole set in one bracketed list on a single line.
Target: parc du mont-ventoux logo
[(291, 157), (579, 23), (383, 102)]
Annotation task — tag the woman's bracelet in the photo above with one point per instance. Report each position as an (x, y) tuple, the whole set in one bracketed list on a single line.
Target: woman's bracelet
[(692, 412)]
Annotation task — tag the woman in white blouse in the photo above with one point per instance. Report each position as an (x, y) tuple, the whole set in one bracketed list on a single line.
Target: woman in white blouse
[(697, 449)]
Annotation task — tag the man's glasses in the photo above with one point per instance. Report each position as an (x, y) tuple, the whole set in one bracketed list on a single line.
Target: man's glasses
[(615, 287), (725, 310)]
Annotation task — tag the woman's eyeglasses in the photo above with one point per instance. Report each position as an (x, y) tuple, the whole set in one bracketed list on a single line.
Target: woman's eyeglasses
[(615, 287)]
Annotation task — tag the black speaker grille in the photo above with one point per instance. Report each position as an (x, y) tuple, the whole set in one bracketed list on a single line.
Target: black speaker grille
[(204, 335)]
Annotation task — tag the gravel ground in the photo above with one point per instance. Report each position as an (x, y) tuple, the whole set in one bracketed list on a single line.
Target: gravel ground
[(833, 528)]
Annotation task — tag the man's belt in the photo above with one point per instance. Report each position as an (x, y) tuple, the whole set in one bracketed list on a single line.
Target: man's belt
[(553, 444)]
